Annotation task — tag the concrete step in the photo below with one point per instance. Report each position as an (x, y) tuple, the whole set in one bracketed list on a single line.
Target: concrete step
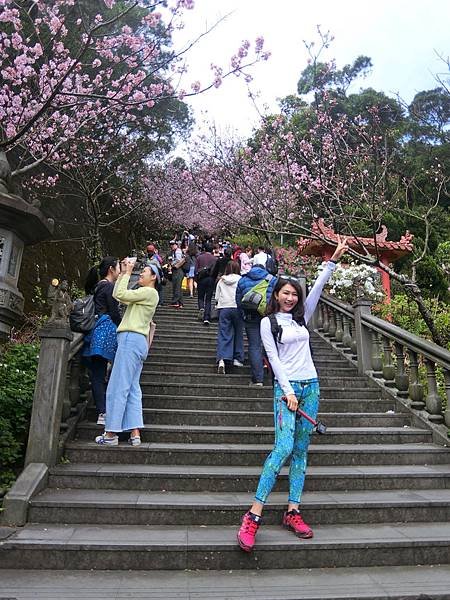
[(197, 434), (176, 338), (190, 362), (133, 507), (225, 390), (213, 379), (168, 416), (47, 546), (208, 479), (407, 453), (250, 403), (368, 583), (209, 341)]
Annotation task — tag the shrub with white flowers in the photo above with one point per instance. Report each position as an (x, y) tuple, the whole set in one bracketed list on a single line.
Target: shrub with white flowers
[(353, 281)]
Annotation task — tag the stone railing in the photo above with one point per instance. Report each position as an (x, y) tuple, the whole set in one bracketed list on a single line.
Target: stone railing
[(58, 403), (389, 354)]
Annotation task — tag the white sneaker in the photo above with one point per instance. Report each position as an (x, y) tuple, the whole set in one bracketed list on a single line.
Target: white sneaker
[(101, 419), (221, 367), (237, 363), (134, 440), (107, 441), (258, 384)]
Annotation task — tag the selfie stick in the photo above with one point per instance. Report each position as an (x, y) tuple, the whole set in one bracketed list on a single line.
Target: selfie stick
[(318, 425)]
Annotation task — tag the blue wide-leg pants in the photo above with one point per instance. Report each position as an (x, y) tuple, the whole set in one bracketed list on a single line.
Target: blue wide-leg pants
[(124, 394)]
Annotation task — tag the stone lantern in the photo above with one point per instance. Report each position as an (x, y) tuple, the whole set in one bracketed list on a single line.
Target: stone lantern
[(21, 224)]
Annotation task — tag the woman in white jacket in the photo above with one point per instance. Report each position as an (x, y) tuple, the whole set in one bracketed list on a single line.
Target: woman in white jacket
[(230, 339)]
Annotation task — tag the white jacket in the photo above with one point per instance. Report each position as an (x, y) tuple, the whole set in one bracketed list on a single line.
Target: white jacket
[(226, 291)]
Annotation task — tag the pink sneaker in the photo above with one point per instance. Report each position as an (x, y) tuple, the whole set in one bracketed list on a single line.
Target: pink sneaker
[(247, 533), (293, 520)]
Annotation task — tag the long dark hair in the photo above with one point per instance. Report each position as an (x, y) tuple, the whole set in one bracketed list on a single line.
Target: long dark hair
[(98, 272), (232, 267), (298, 312), (192, 249)]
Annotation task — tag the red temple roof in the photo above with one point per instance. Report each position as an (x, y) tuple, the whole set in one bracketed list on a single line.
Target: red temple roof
[(390, 251)]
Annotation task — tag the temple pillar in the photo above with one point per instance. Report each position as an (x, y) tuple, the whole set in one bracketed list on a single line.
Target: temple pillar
[(327, 253), (385, 280)]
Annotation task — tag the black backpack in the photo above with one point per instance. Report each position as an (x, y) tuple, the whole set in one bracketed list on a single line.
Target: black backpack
[(82, 317), (205, 272), (272, 265)]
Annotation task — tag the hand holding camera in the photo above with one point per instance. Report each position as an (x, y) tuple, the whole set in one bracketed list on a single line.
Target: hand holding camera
[(127, 264)]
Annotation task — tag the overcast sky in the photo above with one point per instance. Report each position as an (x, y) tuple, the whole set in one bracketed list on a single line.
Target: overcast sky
[(400, 36)]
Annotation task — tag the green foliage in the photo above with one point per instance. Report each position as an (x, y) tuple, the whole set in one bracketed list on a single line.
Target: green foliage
[(402, 311), (319, 75), (442, 255), (18, 367), (247, 239), (430, 115), (431, 278)]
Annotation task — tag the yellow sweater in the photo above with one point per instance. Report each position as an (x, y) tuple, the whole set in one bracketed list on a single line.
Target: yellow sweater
[(141, 307)]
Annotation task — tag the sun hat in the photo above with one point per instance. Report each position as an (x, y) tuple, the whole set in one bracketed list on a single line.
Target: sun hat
[(155, 270)]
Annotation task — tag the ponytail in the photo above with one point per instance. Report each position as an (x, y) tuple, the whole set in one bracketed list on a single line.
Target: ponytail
[(98, 272), (91, 281)]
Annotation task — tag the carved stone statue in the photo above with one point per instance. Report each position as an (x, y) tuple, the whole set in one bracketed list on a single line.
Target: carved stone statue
[(62, 305), (5, 174)]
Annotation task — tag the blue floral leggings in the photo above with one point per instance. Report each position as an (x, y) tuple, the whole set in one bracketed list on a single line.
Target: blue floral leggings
[(292, 436)]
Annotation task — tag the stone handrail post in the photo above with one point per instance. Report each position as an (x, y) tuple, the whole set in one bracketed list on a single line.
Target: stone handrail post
[(397, 359), (49, 395), (433, 401), (56, 395), (363, 336)]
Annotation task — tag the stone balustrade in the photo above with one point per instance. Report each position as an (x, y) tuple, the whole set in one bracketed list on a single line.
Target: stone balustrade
[(390, 354), (58, 403)]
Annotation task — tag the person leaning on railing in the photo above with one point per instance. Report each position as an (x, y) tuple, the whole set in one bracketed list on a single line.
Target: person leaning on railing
[(124, 395)]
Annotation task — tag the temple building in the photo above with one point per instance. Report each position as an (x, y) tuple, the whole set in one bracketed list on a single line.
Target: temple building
[(388, 251)]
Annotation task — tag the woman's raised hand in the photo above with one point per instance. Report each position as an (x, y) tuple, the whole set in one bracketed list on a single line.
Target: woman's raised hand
[(341, 248), (126, 266)]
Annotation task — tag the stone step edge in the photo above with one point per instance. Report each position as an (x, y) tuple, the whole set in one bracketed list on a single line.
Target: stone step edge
[(407, 430), (106, 499), (236, 471), (249, 398), (343, 583), (224, 537), (225, 387), (201, 411), (215, 375), (410, 448)]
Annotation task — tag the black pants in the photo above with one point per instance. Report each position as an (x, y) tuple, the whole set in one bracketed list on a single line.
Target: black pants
[(177, 280), (99, 366), (205, 290)]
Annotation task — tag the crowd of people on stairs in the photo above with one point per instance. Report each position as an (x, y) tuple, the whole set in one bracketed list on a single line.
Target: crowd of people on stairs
[(249, 295)]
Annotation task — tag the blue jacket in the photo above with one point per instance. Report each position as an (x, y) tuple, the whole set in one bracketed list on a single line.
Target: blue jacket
[(250, 279)]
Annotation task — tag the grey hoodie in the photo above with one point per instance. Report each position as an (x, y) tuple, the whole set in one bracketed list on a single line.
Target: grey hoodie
[(226, 291)]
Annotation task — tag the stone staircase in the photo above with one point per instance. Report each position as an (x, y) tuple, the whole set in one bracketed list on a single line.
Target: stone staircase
[(377, 492)]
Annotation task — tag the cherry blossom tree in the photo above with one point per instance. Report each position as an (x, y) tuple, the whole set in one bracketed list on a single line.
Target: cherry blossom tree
[(67, 64), (344, 169)]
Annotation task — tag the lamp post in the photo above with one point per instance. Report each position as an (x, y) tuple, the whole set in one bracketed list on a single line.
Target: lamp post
[(21, 224)]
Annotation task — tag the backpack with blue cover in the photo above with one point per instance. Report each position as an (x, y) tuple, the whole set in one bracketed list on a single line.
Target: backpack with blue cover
[(255, 299)]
